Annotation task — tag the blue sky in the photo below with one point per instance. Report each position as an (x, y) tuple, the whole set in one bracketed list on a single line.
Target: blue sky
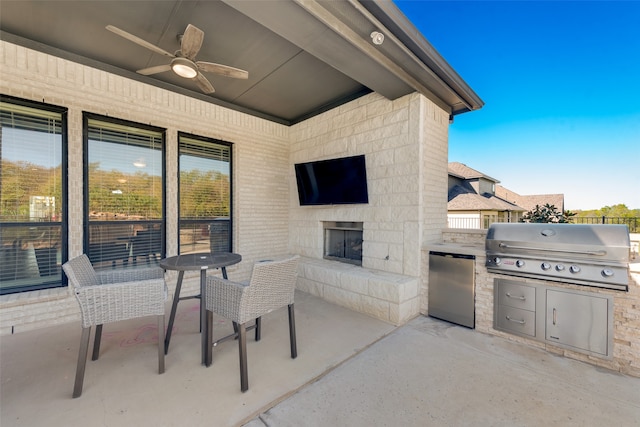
[(561, 86)]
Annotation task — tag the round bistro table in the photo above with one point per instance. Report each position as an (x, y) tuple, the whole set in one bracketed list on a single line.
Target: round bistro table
[(202, 261)]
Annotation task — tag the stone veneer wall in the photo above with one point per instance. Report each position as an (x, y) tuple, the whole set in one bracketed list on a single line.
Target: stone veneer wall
[(391, 297), (405, 146), (626, 311), (260, 150)]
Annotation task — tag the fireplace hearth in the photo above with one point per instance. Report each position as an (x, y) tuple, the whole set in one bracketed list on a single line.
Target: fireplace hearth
[(343, 241)]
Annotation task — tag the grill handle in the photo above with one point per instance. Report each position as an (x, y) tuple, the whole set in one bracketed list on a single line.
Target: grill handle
[(533, 248)]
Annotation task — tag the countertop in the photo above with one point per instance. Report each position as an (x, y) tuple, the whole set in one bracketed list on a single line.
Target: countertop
[(457, 248)]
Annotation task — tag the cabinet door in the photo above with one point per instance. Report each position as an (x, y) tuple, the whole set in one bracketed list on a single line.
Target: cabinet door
[(578, 320)]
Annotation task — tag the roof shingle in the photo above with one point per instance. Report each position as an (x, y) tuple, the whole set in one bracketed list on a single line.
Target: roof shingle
[(464, 171), (461, 198)]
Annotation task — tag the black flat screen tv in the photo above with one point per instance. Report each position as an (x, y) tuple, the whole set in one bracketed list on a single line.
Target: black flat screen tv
[(332, 182)]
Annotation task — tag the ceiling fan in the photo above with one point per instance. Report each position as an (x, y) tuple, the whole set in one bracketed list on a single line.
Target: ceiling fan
[(183, 61)]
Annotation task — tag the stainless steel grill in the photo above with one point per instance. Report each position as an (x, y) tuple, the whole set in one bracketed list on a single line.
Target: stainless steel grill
[(584, 254)]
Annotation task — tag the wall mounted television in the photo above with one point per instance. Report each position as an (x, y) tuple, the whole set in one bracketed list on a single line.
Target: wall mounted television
[(332, 182)]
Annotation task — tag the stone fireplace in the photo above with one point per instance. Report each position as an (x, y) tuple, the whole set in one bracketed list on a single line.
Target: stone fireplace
[(343, 241)]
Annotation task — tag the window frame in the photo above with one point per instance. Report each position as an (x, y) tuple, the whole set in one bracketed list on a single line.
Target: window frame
[(64, 220)]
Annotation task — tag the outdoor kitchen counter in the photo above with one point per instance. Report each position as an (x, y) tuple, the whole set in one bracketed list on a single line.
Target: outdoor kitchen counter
[(626, 333)]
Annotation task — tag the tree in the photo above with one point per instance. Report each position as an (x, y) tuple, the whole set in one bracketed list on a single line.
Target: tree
[(547, 213), (620, 211)]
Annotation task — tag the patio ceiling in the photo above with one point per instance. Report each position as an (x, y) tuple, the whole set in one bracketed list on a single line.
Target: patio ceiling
[(303, 57)]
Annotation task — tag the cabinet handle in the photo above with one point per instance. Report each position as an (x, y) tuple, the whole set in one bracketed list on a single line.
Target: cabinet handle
[(514, 297), (522, 322), (555, 316)]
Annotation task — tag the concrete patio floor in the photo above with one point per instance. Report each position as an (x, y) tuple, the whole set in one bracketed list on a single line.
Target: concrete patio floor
[(351, 370)]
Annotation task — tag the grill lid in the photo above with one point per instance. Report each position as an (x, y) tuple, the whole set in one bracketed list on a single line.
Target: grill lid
[(593, 242), (586, 254)]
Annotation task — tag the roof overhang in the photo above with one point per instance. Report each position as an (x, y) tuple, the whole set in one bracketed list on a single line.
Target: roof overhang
[(303, 56)]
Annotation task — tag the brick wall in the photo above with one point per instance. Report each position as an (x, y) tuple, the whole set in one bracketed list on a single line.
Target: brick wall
[(405, 142), (260, 150)]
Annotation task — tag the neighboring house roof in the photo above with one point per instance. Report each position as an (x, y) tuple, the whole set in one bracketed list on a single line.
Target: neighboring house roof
[(464, 171), (464, 198), (529, 202)]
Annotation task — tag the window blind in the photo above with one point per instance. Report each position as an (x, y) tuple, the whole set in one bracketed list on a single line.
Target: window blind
[(125, 193), (31, 196), (205, 194)]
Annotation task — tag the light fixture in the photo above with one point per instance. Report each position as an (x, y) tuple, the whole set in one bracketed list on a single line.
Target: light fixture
[(377, 37), (184, 68)]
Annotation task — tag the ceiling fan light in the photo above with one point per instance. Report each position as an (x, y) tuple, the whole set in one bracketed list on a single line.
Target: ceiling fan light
[(184, 68)]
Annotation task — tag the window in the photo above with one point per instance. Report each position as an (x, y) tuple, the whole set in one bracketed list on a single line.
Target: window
[(33, 224), (488, 220), (205, 194), (124, 193)]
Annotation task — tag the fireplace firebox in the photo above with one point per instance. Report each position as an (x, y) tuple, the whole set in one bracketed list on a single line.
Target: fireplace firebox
[(343, 241)]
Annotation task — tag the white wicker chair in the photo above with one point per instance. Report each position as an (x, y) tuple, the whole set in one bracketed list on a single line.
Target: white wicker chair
[(111, 296), (271, 287)]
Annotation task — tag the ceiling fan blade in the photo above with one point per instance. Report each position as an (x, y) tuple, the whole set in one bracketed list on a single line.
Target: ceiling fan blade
[(139, 41), (223, 70), (204, 84), (154, 70), (191, 41)]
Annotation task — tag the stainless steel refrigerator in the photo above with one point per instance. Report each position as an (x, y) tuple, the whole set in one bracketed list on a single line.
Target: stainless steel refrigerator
[(451, 295)]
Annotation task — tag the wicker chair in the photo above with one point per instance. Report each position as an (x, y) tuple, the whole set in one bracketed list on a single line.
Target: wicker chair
[(111, 296), (271, 287)]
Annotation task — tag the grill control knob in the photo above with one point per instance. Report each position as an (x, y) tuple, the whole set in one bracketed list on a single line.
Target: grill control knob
[(497, 260), (546, 266), (559, 267), (519, 263), (574, 269), (607, 272)]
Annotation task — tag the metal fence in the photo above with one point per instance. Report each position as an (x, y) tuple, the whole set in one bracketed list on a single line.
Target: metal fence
[(632, 222), (476, 223)]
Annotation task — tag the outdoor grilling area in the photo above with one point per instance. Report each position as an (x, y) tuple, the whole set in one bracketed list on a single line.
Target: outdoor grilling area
[(568, 289)]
